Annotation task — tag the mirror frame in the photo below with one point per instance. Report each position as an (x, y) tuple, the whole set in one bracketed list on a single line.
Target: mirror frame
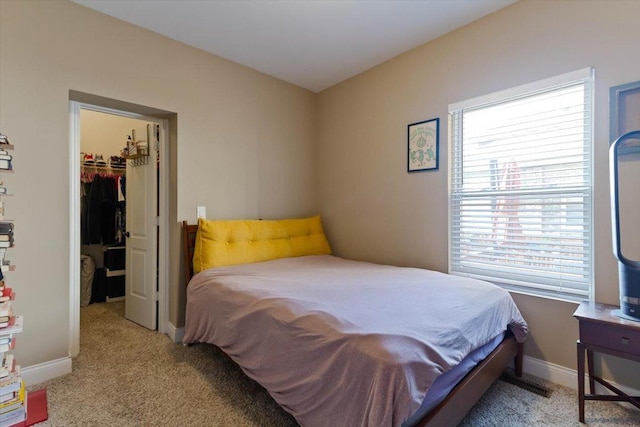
[(617, 110)]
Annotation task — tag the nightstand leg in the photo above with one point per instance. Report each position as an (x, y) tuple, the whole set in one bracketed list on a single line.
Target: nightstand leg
[(580, 348), (592, 383)]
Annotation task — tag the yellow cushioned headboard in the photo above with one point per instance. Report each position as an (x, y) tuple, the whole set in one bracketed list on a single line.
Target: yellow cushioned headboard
[(221, 243)]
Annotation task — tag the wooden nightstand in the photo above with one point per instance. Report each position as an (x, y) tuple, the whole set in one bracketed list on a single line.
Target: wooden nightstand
[(604, 332)]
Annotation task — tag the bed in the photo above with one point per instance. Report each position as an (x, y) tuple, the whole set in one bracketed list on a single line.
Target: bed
[(342, 342)]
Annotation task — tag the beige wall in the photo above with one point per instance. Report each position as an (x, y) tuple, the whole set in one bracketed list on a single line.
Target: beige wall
[(374, 210), (242, 143)]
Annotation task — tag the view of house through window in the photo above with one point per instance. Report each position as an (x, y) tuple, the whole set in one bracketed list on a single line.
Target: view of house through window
[(520, 200)]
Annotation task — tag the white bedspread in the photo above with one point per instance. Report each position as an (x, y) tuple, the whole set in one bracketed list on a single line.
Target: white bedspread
[(339, 342)]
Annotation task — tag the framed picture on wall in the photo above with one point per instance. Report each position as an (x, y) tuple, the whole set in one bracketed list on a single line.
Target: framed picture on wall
[(423, 141), (624, 110)]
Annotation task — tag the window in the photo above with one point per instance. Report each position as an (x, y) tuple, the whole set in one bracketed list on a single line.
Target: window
[(520, 201)]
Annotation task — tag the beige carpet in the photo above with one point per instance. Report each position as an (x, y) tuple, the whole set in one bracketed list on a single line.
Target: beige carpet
[(126, 375)]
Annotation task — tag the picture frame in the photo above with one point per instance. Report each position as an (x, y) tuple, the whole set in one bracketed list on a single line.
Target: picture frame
[(624, 112), (423, 144)]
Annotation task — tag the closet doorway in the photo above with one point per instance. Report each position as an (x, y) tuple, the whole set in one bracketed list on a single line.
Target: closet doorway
[(118, 225)]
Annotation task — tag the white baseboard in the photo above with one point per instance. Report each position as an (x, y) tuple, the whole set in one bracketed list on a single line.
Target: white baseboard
[(568, 377), (45, 371), (174, 333), (551, 372)]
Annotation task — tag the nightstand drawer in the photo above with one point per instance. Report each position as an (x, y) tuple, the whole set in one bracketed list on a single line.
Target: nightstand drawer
[(610, 336)]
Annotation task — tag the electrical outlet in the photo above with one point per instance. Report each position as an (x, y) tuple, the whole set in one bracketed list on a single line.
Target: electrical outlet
[(201, 211)]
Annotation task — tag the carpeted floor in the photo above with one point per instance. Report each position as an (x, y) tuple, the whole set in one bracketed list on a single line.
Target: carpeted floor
[(126, 375)]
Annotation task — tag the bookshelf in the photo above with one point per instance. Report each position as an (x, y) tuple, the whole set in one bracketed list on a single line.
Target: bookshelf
[(17, 406)]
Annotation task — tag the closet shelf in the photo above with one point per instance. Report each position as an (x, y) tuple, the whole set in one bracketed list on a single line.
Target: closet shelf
[(103, 168)]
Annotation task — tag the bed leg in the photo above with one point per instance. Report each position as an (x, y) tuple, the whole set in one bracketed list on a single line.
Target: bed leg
[(518, 360)]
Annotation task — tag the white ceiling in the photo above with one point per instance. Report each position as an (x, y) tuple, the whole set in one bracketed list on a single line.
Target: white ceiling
[(310, 43)]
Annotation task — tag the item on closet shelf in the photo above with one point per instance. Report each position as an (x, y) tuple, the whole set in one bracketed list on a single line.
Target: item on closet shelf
[(118, 162), (100, 160), (142, 147), (89, 160), (4, 139), (131, 147)]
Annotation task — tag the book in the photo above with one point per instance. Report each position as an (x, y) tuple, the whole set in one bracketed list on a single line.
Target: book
[(8, 365), (6, 294), (15, 403), (6, 165), (8, 323), (9, 382), (8, 346), (14, 327), (7, 244), (6, 226), (15, 418), (10, 375), (6, 310), (3, 190), (6, 237)]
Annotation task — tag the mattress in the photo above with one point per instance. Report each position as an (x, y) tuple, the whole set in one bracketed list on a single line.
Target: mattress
[(340, 342), (443, 385)]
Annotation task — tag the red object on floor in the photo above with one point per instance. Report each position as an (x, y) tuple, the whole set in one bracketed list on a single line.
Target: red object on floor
[(36, 408)]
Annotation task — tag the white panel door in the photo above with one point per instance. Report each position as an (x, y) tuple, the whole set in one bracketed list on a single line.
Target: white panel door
[(141, 248)]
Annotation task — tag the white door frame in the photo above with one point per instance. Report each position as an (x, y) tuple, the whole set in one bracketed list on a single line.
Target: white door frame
[(74, 219)]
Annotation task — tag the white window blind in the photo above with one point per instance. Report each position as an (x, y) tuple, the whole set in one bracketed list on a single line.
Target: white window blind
[(521, 190)]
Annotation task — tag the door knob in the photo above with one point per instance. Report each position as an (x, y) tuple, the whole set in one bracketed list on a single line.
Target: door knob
[(126, 234)]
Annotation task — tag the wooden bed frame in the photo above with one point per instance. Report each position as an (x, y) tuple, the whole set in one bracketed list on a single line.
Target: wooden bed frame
[(462, 398)]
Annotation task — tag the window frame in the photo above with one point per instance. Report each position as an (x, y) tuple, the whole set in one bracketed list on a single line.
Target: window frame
[(585, 76)]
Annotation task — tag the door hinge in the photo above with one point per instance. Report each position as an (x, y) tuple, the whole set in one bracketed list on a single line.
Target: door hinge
[(156, 221), (156, 296)]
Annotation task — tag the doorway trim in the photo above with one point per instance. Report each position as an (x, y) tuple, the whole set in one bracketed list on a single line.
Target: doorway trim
[(74, 218)]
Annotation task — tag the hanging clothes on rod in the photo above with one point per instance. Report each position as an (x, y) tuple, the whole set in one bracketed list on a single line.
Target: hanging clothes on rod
[(101, 212), (87, 173)]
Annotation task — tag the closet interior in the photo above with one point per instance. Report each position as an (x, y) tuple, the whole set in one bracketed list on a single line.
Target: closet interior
[(104, 139)]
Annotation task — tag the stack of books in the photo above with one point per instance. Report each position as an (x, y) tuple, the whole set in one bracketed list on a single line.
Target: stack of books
[(6, 233), (5, 160), (13, 397)]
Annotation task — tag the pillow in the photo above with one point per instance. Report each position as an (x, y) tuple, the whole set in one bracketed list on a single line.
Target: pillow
[(221, 243)]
